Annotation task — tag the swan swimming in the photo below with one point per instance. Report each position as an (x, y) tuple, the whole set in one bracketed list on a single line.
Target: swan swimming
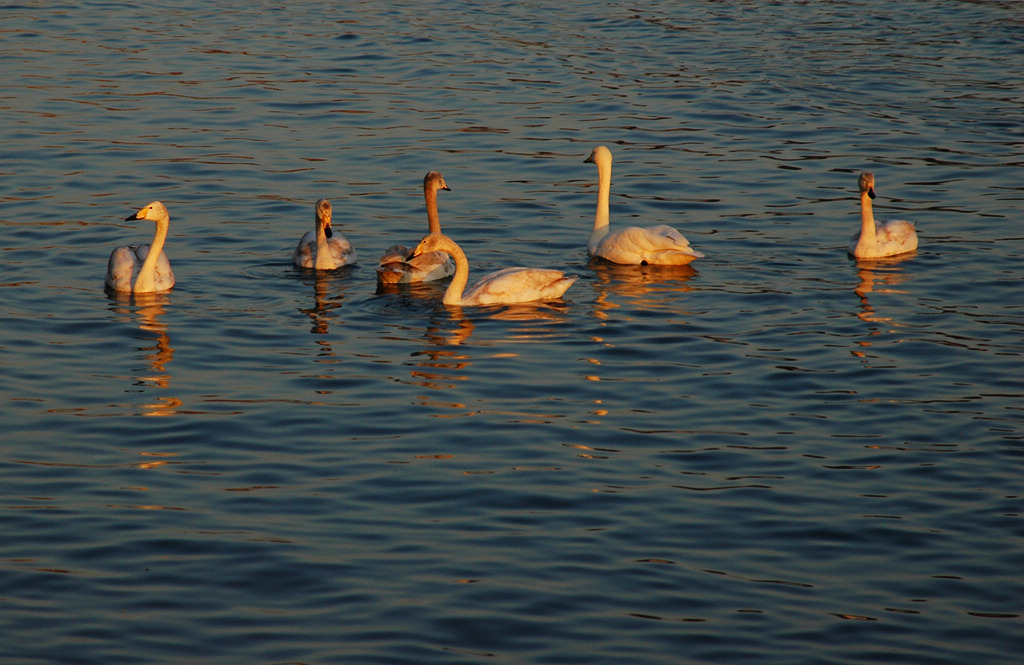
[(142, 268), (318, 248), (891, 238), (396, 266), (633, 245), (510, 285)]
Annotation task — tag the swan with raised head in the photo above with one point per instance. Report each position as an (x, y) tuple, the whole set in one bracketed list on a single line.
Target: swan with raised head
[(397, 267), (320, 249), (633, 245), (872, 242), (506, 286), (142, 268)]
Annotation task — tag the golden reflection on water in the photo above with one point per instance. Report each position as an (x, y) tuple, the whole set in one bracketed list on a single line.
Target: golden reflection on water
[(647, 286), (148, 309), (323, 304), (878, 276), (438, 367)]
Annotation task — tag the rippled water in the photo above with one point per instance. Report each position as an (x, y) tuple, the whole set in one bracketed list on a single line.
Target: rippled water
[(775, 455)]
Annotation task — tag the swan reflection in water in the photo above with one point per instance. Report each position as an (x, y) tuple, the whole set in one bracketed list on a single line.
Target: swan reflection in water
[(327, 297), (439, 365), (148, 309), (647, 287), (878, 276)]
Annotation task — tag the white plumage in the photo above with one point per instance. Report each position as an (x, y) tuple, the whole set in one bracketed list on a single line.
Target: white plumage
[(319, 248), (634, 245), (872, 242), (510, 285), (142, 268)]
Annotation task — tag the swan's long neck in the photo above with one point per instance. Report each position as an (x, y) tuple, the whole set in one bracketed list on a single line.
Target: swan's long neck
[(430, 196), (604, 188), (146, 281), (324, 258), (453, 294), (867, 238)]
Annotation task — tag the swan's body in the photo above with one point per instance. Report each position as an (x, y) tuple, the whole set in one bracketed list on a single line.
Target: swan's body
[(398, 267), (634, 245), (510, 285), (319, 249), (891, 238), (142, 268)]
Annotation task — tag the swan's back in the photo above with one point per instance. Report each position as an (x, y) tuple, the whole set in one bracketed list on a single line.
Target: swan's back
[(656, 245), (896, 237), (517, 285)]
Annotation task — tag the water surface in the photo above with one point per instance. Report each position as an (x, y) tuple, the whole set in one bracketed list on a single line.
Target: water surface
[(776, 454)]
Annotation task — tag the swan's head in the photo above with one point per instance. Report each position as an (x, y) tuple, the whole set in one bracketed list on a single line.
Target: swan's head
[(430, 243), (323, 216), (435, 181), (601, 156), (867, 184), (153, 211)]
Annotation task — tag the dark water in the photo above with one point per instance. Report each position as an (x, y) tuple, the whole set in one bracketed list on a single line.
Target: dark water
[(777, 455)]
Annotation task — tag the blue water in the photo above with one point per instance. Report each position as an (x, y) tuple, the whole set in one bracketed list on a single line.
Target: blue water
[(774, 455)]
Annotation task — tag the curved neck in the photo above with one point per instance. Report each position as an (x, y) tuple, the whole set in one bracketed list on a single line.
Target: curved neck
[(430, 196), (146, 281), (867, 222), (453, 294), (604, 187), (324, 258)]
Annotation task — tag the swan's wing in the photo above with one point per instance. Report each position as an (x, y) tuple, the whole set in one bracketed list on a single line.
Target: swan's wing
[(395, 254), (425, 267), (513, 285), (342, 250), (660, 244), (897, 236), (304, 255), (122, 266)]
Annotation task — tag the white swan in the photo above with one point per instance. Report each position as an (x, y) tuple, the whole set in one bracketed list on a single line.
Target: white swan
[(318, 248), (510, 285), (142, 268), (893, 237), (655, 245), (397, 267)]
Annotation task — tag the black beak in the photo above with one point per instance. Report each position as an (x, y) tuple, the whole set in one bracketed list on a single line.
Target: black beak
[(327, 231), (871, 192), (132, 216), (589, 160)]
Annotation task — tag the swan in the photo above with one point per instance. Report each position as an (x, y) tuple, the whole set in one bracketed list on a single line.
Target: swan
[(510, 285), (142, 268), (634, 245), (396, 266), (893, 237), (318, 248)]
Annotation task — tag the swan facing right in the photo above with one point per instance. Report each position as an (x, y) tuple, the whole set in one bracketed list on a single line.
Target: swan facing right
[(318, 249), (893, 237), (142, 268), (396, 266), (633, 245), (507, 286)]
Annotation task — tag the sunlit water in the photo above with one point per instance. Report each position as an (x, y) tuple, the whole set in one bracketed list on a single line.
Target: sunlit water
[(777, 455)]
